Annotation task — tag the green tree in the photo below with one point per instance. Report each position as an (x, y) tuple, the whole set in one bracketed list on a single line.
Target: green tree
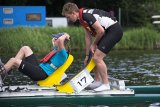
[(138, 12), (13, 2), (134, 12)]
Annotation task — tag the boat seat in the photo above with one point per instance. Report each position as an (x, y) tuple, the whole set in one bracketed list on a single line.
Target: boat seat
[(56, 76)]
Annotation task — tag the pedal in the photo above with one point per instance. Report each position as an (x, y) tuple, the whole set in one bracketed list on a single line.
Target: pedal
[(116, 83)]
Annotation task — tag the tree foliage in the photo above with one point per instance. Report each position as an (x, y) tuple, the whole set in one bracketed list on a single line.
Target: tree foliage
[(133, 12)]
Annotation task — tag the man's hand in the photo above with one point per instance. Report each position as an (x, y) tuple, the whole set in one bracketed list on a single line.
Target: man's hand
[(85, 60), (93, 48), (64, 37), (67, 36)]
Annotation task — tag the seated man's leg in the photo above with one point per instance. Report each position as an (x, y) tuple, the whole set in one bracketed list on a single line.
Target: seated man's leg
[(25, 51), (13, 62)]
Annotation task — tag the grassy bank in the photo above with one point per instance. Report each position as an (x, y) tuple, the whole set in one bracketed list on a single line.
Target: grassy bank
[(40, 40), (140, 38), (37, 38)]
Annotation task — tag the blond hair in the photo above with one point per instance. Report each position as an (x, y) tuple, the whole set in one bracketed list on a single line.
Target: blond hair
[(69, 8)]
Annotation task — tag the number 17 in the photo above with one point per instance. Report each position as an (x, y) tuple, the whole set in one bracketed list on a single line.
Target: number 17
[(82, 79)]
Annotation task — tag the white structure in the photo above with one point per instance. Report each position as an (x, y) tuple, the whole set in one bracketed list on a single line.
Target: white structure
[(57, 21), (156, 19)]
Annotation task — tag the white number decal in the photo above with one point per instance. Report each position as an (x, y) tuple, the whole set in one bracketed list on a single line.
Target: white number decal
[(82, 80)]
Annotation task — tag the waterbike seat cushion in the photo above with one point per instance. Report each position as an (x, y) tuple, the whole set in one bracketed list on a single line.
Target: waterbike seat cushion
[(55, 77)]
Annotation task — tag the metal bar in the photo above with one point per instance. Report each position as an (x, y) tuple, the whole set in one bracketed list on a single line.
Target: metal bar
[(154, 89)]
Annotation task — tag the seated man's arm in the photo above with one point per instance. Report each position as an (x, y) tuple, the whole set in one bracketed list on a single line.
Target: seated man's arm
[(60, 41)]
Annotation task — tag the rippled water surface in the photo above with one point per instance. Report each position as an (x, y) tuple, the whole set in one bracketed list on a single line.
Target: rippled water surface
[(137, 67)]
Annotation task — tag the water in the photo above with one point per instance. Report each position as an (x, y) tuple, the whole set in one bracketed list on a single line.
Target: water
[(138, 67)]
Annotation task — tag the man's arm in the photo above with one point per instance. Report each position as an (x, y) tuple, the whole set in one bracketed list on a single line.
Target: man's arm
[(99, 30), (61, 41), (91, 20), (88, 41), (99, 33)]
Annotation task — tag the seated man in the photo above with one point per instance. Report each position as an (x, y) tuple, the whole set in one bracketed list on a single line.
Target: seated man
[(27, 63)]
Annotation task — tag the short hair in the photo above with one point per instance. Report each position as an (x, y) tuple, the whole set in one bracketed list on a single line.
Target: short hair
[(69, 8)]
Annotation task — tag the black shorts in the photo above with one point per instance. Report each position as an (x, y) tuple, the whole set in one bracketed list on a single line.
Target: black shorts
[(30, 67), (112, 35)]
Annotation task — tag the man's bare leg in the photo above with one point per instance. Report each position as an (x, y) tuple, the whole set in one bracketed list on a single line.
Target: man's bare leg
[(97, 81), (97, 75), (101, 69), (15, 62), (24, 52)]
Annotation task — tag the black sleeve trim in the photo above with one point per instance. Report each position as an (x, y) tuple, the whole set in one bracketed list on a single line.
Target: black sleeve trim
[(89, 18)]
